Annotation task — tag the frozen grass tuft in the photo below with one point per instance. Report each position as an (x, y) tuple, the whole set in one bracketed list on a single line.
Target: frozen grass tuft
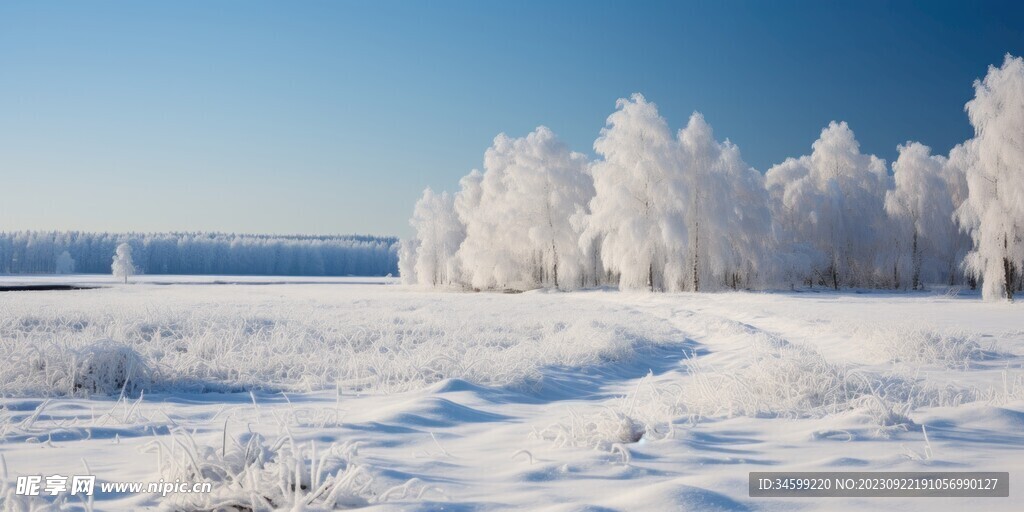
[(646, 413), (101, 367), (253, 474), (784, 380), (599, 429), (926, 347), (106, 367)]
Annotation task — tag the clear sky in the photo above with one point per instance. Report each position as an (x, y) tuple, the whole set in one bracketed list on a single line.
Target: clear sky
[(331, 117)]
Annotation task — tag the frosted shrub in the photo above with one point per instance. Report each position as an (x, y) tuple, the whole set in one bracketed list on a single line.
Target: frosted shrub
[(108, 368)]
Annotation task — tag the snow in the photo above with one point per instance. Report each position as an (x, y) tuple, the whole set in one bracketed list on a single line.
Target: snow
[(542, 400)]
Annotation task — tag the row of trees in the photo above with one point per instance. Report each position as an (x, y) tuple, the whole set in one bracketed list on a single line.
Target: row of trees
[(199, 253), (668, 212)]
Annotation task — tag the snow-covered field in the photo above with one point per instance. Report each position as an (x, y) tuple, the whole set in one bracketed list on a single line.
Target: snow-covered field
[(370, 393)]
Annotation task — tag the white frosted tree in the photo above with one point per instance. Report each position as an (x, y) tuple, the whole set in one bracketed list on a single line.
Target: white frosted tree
[(958, 241), (795, 257), (438, 236), (407, 260), (994, 210), (921, 205), (122, 266), (517, 214), (467, 200), (828, 210), (65, 263), (637, 214), (728, 219)]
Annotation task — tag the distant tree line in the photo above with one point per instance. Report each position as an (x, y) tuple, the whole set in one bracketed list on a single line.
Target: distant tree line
[(664, 211), (42, 252)]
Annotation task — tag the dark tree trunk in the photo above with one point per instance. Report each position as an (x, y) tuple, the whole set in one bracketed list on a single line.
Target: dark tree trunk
[(1008, 270), (915, 279), (696, 258), (554, 266)]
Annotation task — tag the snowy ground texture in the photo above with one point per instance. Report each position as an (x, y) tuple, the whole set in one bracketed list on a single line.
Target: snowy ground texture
[(335, 393)]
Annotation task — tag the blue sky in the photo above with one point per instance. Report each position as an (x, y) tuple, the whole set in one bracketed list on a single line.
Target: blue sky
[(331, 117)]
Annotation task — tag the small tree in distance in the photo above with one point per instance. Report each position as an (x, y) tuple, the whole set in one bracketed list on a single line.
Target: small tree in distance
[(65, 263), (122, 266)]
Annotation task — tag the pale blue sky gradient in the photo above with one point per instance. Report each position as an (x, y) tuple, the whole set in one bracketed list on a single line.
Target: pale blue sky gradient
[(331, 117)]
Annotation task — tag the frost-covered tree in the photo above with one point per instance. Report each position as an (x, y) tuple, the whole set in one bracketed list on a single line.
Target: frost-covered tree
[(922, 206), (683, 213), (65, 263), (994, 210), (957, 241), (467, 200), (828, 211), (438, 236), (202, 253), (407, 260), (728, 220), (517, 214), (122, 267), (638, 212), (911, 203)]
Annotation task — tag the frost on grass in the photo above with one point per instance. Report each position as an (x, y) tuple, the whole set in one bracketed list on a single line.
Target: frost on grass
[(785, 380), (107, 367), (646, 413), (101, 367), (926, 346), (252, 474), (243, 343)]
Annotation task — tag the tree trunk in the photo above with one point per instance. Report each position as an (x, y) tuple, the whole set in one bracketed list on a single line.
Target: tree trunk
[(696, 257), (1008, 270), (554, 265), (915, 279), (1008, 276)]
